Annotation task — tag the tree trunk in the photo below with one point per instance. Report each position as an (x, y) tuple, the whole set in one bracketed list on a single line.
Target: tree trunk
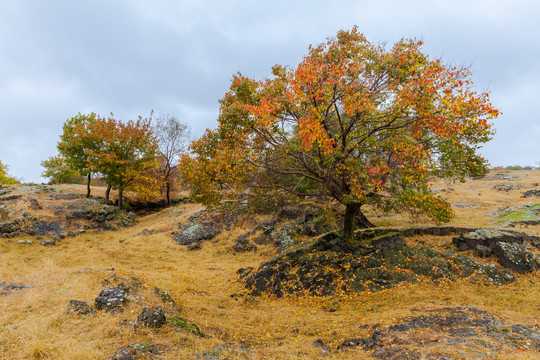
[(107, 193), (351, 210), (354, 217), (120, 194), (168, 192), (88, 185)]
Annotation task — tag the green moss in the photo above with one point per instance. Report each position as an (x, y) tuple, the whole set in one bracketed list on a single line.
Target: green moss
[(185, 324), (526, 213)]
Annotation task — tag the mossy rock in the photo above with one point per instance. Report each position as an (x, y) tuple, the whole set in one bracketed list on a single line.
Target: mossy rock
[(185, 324), (330, 265), (525, 215)]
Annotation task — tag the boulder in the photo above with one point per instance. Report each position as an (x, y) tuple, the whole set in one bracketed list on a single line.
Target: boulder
[(11, 226), (79, 308), (111, 299), (516, 257), (153, 317), (242, 244)]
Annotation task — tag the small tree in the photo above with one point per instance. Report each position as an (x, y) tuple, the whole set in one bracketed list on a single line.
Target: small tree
[(121, 153), (172, 138), (74, 145), (354, 122), (58, 171), (5, 179)]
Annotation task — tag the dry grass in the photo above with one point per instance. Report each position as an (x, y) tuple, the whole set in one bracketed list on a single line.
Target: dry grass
[(34, 323)]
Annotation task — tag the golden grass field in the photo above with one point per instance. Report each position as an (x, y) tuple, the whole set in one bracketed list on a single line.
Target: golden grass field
[(34, 323)]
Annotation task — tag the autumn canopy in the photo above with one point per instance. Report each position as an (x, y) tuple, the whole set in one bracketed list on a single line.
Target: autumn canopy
[(355, 122)]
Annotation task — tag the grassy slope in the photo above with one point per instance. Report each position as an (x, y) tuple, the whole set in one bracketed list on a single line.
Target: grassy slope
[(34, 324)]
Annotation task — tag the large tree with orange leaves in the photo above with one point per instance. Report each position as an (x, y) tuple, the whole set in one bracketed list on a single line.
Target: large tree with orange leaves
[(355, 122)]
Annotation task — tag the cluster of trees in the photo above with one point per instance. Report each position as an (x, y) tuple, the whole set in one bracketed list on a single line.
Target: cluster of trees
[(354, 122), (135, 155), (5, 178)]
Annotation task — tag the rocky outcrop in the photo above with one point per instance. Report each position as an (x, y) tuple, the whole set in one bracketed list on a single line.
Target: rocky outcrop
[(478, 333), (330, 265), (513, 249)]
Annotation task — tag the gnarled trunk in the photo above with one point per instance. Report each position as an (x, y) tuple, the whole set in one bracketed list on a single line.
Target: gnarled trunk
[(354, 216)]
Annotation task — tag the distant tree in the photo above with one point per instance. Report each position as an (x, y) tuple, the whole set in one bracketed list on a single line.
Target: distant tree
[(58, 171), (121, 153), (5, 179), (172, 139), (355, 122), (74, 145)]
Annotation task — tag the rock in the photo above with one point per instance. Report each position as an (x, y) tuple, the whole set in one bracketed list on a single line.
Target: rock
[(388, 241), (330, 265), (510, 216), (506, 187), (48, 243), (79, 307), (320, 344), (128, 220), (111, 299), (25, 241), (185, 325), (34, 205), (166, 298), (516, 257), (531, 193), (509, 247), (12, 286), (194, 246), (286, 236), (195, 232), (11, 226), (153, 317), (488, 238), (133, 351), (243, 272), (242, 244)]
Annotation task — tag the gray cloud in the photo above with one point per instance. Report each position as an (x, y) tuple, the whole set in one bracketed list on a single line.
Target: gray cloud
[(127, 57)]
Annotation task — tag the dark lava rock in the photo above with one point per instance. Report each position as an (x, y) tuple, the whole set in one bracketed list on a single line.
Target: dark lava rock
[(506, 187), (80, 308), (153, 317), (516, 257), (243, 272), (242, 244), (111, 299), (166, 298), (531, 193), (4, 287), (134, 351), (10, 226), (509, 247), (388, 241), (329, 265), (488, 238), (467, 333)]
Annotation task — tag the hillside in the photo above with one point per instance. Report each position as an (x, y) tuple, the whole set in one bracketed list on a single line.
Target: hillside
[(208, 313)]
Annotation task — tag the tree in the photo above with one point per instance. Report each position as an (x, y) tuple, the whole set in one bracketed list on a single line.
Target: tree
[(5, 179), (172, 137), (121, 153), (354, 122), (74, 144), (58, 170)]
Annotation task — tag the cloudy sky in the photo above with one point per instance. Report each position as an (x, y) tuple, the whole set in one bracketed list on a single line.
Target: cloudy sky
[(61, 57)]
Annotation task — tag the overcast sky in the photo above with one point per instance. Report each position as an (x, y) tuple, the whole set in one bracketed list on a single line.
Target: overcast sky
[(61, 57)]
